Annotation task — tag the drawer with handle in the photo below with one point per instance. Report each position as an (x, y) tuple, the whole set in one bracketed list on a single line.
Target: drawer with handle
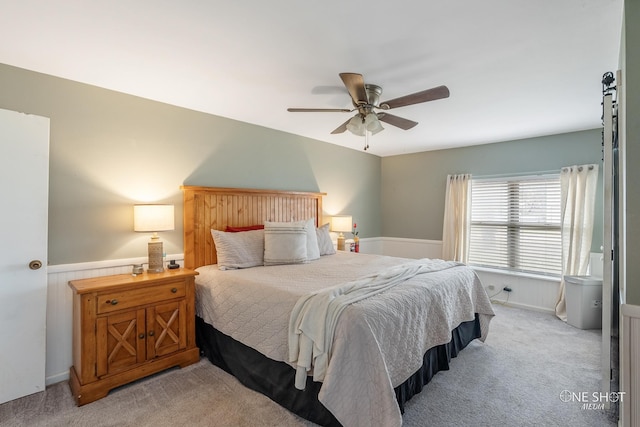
[(113, 301)]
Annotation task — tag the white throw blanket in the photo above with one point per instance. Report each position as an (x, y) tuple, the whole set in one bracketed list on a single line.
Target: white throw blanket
[(314, 317)]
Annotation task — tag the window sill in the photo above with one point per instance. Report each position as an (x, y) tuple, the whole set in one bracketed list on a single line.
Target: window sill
[(517, 274)]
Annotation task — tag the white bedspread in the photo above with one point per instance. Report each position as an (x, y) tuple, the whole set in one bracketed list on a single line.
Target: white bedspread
[(378, 342), (314, 317)]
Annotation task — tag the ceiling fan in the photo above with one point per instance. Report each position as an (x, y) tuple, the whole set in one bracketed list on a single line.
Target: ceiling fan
[(366, 100)]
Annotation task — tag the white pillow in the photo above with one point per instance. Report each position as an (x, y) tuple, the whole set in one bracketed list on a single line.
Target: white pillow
[(239, 250), (325, 245), (313, 251), (285, 243)]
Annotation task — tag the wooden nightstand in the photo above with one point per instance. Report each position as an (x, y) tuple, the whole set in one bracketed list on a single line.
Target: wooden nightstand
[(126, 327)]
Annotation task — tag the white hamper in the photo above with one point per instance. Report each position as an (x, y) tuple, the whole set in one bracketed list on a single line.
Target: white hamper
[(583, 296)]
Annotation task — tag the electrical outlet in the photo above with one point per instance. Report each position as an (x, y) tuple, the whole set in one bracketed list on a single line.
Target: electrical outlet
[(491, 288)]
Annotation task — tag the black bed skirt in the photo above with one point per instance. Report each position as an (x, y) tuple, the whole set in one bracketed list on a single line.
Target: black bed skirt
[(276, 380)]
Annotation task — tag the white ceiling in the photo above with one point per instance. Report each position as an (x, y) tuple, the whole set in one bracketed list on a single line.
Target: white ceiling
[(515, 68)]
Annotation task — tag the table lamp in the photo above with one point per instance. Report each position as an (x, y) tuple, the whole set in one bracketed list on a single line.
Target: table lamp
[(341, 224), (154, 218)]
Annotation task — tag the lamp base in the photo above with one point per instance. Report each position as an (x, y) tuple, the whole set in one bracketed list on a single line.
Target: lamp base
[(341, 242), (155, 257)]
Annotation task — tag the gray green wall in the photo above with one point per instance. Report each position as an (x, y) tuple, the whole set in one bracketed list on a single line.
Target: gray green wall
[(631, 69), (413, 185), (109, 150)]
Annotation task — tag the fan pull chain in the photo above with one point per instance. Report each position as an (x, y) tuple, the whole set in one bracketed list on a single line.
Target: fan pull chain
[(366, 140)]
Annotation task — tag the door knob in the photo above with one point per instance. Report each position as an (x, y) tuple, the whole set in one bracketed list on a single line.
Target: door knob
[(35, 264)]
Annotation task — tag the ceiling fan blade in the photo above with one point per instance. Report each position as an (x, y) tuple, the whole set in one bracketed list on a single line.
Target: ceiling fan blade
[(416, 98), (341, 128), (355, 85), (319, 110), (405, 124)]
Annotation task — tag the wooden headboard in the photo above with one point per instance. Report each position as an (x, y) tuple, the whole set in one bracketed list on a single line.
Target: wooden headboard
[(207, 208)]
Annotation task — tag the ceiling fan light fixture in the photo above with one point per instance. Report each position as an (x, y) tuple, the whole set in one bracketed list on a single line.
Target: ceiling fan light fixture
[(365, 98), (372, 124), (357, 125)]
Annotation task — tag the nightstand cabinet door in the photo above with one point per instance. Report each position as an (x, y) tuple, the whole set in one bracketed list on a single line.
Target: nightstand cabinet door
[(166, 329), (120, 341)]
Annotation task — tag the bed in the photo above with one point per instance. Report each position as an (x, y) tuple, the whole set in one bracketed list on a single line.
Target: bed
[(400, 321)]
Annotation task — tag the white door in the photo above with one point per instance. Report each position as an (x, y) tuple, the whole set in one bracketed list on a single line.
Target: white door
[(24, 179)]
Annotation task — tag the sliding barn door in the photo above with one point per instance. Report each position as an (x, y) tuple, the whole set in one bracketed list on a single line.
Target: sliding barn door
[(612, 249), (24, 176)]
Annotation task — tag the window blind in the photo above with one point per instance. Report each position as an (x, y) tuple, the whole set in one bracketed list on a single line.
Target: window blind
[(516, 224)]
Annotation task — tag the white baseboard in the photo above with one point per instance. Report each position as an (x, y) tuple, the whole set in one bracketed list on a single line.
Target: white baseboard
[(524, 306), (54, 379)]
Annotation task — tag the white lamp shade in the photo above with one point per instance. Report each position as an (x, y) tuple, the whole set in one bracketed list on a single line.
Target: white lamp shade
[(153, 218), (372, 123), (356, 125), (341, 223)]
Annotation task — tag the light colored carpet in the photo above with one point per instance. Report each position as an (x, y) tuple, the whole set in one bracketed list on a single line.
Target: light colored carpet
[(514, 379)]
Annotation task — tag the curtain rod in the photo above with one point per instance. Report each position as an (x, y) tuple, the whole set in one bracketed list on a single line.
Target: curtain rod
[(518, 174)]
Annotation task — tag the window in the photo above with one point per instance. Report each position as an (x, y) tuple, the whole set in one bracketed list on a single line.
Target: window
[(515, 224)]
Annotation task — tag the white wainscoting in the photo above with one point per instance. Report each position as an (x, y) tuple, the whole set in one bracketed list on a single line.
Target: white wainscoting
[(411, 248), (60, 308), (630, 365), (371, 245), (527, 292)]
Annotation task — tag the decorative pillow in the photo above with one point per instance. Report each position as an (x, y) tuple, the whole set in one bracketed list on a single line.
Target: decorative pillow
[(239, 250), (325, 245), (285, 243), (246, 228), (313, 251)]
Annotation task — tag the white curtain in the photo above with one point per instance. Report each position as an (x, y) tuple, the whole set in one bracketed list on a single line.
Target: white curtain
[(578, 191), (457, 218)]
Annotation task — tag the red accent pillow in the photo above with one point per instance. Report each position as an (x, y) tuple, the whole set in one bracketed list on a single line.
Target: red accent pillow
[(246, 228)]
